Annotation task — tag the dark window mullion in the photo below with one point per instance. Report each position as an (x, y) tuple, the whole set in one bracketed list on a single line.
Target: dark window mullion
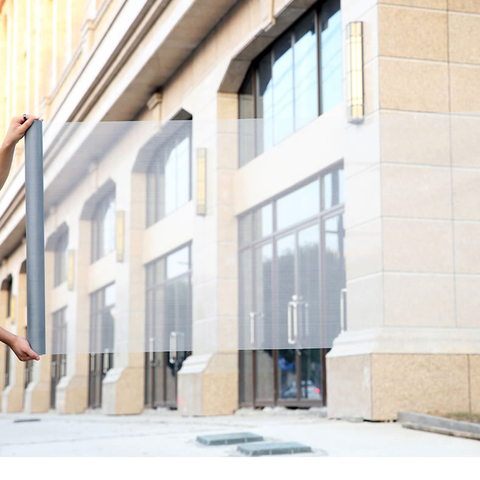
[(318, 28)]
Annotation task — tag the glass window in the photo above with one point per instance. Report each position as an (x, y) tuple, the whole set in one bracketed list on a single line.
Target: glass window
[(306, 65), (298, 205), (103, 228), (263, 222), (169, 305), (102, 319), (334, 261), (331, 55), (334, 188), (246, 229), (265, 103), (61, 260), (169, 176), (178, 263), (283, 87), (247, 146)]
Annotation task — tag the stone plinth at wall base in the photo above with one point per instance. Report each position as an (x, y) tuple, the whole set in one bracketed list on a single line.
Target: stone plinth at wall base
[(123, 391), (12, 399), (72, 394), (373, 375), (37, 397), (208, 384)]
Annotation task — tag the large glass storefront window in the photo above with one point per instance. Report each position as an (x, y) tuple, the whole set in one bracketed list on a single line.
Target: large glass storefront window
[(291, 259), (299, 77), (168, 332), (169, 176)]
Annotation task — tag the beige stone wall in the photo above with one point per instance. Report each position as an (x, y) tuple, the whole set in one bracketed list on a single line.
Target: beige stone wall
[(411, 236)]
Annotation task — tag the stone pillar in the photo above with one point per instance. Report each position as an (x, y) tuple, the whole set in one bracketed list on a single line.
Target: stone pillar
[(37, 393), (72, 390), (12, 400), (412, 339), (208, 380), (124, 386)]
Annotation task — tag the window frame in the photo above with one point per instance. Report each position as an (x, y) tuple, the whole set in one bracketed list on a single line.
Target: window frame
[(319, 11), (98, 306), (61, 260), (155, 174), (255, 242), (97, 224)]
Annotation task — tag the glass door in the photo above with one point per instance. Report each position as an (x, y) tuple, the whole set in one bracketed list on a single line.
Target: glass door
[(291, 275), (168, 325)]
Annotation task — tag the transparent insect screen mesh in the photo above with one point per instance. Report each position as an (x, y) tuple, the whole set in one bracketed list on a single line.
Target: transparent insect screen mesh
[(204, 235)]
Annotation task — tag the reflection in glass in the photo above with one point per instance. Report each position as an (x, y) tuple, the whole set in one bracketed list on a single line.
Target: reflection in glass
[(285, 284), (331, 56), (169, 176), (282, 88), (246, 229), (61, 260), (246, 375), (247, 128), (178, 263), (309, 281), (333, 188), (264, 371), (246, 306), (335, 273), (287, 374), (263, 296), (103, 228), (265, 103), (306, 75), (263, 222), (169, 315), (311, 375), (298, 205)]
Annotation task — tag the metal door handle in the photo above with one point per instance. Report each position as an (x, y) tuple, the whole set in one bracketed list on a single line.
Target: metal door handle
[(292, 326), (252, 327), (343, 296), (172, 356)]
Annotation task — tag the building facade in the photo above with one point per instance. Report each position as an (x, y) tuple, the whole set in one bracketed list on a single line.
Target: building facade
[(248, 203)]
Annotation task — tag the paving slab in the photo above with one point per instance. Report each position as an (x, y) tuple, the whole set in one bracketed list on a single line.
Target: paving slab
[(229, 438), (280, 448)]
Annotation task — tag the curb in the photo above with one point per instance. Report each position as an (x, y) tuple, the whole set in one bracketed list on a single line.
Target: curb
[(444, 426)]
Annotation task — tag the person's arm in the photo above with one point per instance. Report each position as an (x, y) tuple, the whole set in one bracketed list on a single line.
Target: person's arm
[(16, 131), (19, 345)]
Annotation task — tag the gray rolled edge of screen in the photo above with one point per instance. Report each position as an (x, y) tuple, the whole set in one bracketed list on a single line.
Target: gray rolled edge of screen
[(35, 237)]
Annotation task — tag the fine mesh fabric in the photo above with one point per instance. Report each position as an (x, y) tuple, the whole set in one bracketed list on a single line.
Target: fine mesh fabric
[(196, 235)]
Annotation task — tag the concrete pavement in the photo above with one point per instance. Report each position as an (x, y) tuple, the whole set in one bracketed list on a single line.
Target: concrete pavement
[(164, 433)]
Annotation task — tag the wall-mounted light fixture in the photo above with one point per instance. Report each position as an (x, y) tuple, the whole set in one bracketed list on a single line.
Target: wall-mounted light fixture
[(120, 236), (355, 90), (201, 181), (71, 269)]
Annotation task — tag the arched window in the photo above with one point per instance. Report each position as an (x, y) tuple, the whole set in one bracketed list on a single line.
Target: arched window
[(169, 175), (61, 260), (103, 228), (292, 82)]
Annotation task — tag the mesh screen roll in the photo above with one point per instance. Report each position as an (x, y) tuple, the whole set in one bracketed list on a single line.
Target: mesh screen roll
[(35, 237)]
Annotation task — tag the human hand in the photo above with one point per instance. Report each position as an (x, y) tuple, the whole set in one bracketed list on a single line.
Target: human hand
[(16, 130), (21, 348)]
